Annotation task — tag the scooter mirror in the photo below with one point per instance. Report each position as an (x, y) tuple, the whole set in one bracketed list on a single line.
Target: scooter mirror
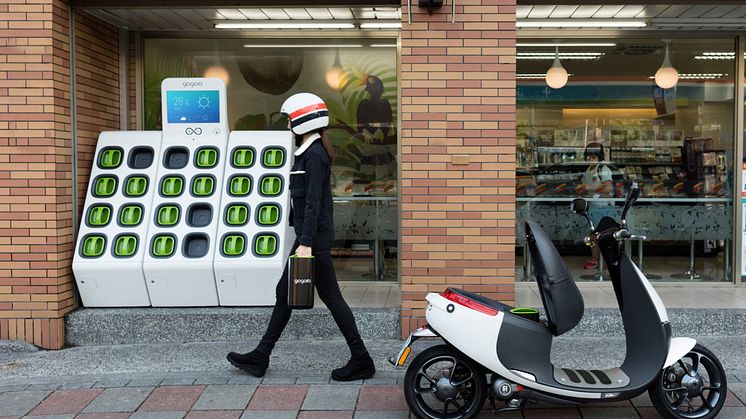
[(579, 206), (633, 192)]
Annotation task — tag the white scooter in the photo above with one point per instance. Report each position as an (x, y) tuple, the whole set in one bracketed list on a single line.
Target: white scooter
[(483, 338)]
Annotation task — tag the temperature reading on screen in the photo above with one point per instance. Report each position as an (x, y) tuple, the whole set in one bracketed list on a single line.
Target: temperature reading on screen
[(193, 106)]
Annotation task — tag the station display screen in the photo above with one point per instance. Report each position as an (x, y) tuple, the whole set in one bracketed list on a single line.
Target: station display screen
[(193, 106)]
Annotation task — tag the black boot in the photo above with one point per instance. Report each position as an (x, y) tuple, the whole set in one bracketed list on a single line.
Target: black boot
[(357, 368), (254, 362)]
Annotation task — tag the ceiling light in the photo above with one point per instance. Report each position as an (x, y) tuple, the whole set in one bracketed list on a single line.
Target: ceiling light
[(533, 76), (699, 76), (383, 45), (580, 23), (583, 44), (717, 56), (284, 25), (556, 76), (302, 46), (380, 25), (562, 56), (667, 76)]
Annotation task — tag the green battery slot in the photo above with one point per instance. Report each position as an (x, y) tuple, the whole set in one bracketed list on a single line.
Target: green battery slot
[(131, 215), (99, 216), (110, 158), (125, 246), (163, 246), (269, 215), (274, 157), (207, 157), (93, 246), (105, 186), (271, 186), (172, 186), (237, 215), (168, 215), (136, 186), (234, 245), (203, 186), (265, 245), (240, 186), (243, 157)]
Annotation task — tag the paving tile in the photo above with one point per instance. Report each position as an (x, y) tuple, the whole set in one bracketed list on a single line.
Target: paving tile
[(244, 379), (50, 417), (40, 387), (225, 397), (145, 382), (608, 412), (733, 401), (114, 400), (211, 380), (278, 398), (312, 380), (66, 402), (381, 398), (648, 413), (158, 415), (328, 397), (320, 414), (172, 399), (739, 389), (77, 385), (381, 414), (269, 414), (732, 413), (13, 388), (20, 403), (178, 381), (643, 400), (111, 383), (558, 413), (278, 380), (380, 381), (214, 414), (102, 416)]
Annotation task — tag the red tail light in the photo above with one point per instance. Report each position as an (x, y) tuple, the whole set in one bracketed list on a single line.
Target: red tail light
[(466, 302)]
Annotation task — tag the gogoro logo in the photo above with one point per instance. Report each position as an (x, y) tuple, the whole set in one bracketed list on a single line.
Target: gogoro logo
[(191, 83), (302, 281)]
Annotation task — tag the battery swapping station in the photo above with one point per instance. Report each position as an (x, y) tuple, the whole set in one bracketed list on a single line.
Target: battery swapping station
[(182, 230), (111, 243), (254, 238)]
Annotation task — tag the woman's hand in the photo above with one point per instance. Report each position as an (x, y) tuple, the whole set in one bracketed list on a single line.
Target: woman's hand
[(303, 251)]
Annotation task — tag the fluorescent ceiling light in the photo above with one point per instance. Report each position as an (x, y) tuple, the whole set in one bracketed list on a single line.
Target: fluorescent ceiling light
[(284, 25), (562, 55), (533, 76), (580, 23), (699, 76), (571, 44), (717, 56), (383, 45), (303, 46), (380, 25)]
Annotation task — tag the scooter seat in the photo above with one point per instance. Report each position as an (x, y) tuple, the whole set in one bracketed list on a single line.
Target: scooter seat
[(489, 302)]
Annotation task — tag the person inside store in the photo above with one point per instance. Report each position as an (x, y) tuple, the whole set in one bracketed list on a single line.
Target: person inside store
[(596, 183), (312, 219)]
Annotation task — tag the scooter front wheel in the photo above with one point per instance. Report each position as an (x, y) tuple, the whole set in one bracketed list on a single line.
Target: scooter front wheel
[(694, 387), (441, 383)]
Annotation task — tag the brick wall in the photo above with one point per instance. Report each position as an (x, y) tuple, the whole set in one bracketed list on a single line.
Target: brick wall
[(457, 153), (36, 231)]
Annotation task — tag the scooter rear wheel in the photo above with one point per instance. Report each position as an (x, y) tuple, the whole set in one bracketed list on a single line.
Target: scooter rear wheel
[(695, 387), (441, 383)]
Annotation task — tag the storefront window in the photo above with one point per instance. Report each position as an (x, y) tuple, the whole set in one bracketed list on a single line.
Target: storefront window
[(357, 78), (610, 125)]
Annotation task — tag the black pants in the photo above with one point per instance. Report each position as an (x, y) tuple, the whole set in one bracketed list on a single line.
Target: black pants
[(328, 289)]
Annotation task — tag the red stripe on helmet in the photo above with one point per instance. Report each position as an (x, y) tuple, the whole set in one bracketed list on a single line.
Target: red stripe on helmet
[(307, 109)]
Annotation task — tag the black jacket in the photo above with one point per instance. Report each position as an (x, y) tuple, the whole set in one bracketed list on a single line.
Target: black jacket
[(311, 198)]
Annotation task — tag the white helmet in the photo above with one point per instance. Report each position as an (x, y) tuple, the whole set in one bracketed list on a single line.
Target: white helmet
[(307, 112)]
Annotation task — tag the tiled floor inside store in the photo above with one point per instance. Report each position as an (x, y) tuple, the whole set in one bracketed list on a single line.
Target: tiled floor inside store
[(675, 292)]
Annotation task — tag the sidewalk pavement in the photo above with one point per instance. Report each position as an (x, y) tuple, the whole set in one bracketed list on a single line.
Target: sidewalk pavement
[(195, 381)]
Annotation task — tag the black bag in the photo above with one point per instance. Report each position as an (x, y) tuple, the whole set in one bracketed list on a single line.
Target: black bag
[(300, 282)]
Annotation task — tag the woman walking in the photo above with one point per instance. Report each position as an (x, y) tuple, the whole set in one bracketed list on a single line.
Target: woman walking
[(312, 219)]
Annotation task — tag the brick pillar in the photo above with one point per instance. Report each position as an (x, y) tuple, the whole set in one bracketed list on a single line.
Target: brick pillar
[(457, 153), (36, 230)]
